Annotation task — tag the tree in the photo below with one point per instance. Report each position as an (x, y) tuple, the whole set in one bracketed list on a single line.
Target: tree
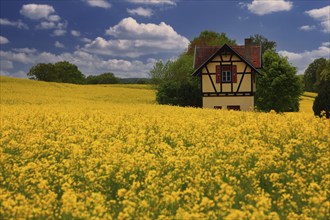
[(185, 93), (58, 72), (209, 38), (178, 70), (279, 88), (43, 72), (176, 86), (312, 74), (68, 73), (322, 100), (160, 71), (104, 78), (264, 42), (181, 69)]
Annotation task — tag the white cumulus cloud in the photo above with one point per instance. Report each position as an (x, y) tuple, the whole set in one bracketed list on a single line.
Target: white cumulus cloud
[(75, 33), (3, 40), (54, 18), (46, 25), (98, 3), (88, 64), (59, 44), (129, 28), (47, 16), (86, 40), (322, 15), (263, 7), (19, 24), (91, 64), (144, 12), (37, 11), (303, 59), (136, 39), (59, 32), (307, 27), (25, 50), (20, 57), (326, 44)]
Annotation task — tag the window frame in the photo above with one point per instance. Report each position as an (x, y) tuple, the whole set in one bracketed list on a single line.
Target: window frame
[(226, 74)]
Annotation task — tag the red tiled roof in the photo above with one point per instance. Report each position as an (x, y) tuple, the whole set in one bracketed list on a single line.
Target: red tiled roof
[(204, 53)]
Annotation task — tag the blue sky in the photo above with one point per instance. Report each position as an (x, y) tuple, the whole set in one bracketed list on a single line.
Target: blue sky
[(127, 37)]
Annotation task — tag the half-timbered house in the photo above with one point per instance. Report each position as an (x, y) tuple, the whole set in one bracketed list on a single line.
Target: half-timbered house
[(228, 75)]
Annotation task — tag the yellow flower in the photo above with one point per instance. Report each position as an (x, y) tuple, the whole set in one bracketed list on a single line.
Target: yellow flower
[(109, 152)]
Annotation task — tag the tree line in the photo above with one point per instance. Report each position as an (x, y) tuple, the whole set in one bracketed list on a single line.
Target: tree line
[(66, 72)]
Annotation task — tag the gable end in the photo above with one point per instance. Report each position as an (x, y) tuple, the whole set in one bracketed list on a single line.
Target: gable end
[(207, 54)]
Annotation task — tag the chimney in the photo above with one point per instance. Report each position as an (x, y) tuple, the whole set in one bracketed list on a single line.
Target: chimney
[(248, 45)]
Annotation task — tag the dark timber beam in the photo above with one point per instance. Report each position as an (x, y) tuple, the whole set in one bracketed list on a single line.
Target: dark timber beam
[(208, 72)]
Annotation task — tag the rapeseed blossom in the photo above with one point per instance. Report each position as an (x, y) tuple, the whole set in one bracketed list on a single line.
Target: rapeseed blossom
[(109, 152)]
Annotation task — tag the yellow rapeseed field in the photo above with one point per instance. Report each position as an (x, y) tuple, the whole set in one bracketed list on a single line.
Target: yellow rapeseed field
[(306, 102), (110, 152)]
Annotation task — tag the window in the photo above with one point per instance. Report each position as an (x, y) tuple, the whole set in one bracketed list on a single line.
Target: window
[(234, 107), (226, 74), (217, 107)]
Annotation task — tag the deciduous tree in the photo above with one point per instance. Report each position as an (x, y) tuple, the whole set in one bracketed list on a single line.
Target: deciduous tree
[(59, 72), (264, 42), (312, 74), (209, 38), (44, 72), (322, 100), (68, 73), (104, 78), (160, 71), (176, 86), (279, 88)]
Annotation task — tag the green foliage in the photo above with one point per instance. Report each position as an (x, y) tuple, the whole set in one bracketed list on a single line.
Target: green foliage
[(160, 71), (325, 73), (175, 85), (178, 70), (43, 72), (313, 73), (301, 80), (322, 100), (209, 38), (68, 73), (182, 68), (185, 93), (279, 88), (105, 78), (264, 42), (59, 72)]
